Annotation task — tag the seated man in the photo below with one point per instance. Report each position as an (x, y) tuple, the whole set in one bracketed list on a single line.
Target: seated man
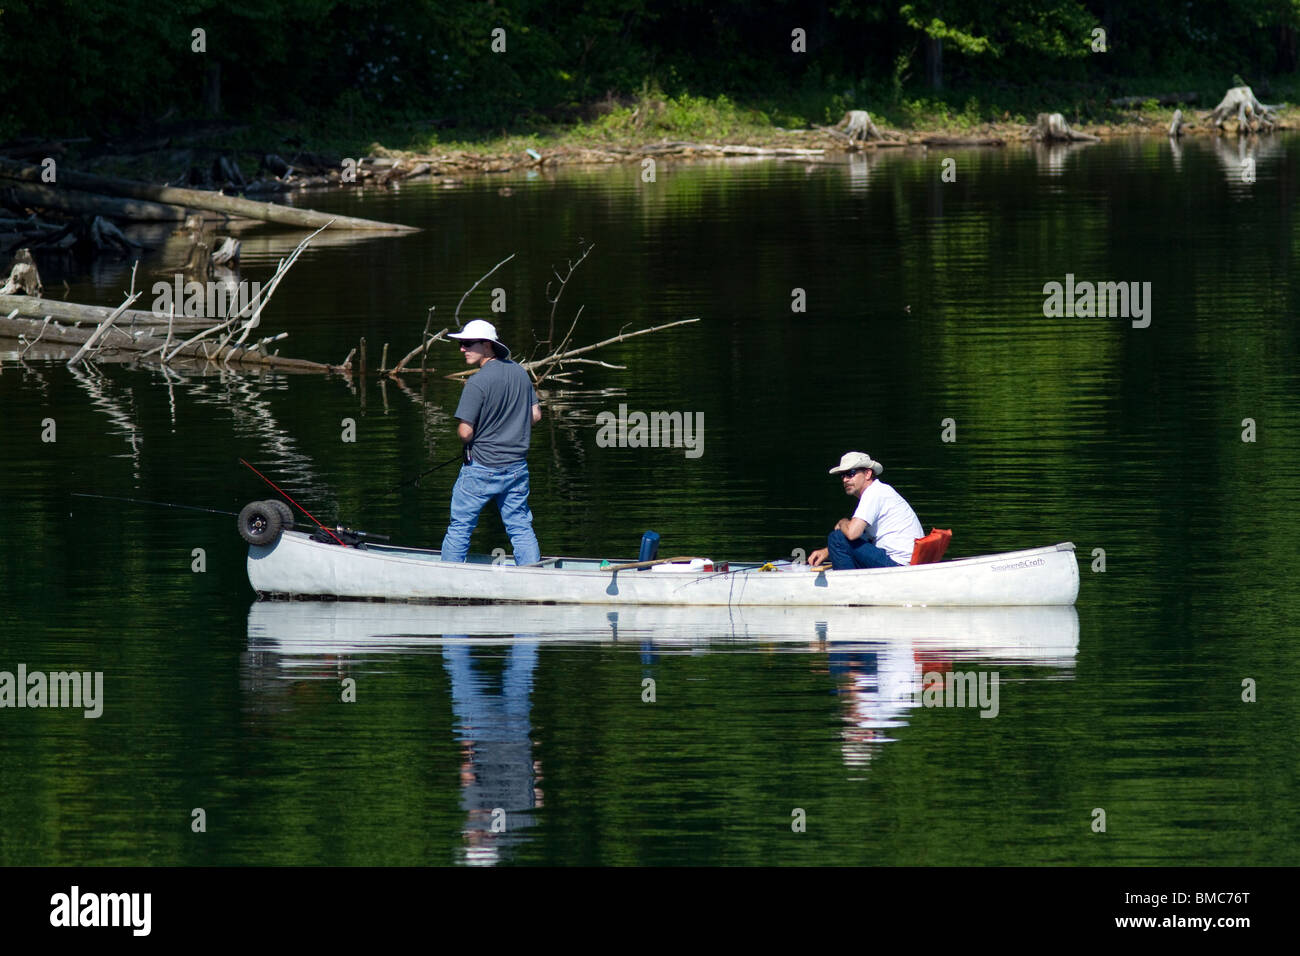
[(883, 528)]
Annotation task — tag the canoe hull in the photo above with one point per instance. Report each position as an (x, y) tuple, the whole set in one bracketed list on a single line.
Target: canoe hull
[(296, 565)]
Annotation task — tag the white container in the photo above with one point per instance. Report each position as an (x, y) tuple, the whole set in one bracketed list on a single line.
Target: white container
[(697, 564)]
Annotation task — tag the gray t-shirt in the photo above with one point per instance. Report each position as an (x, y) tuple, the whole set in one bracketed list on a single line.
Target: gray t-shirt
[(498, 402)]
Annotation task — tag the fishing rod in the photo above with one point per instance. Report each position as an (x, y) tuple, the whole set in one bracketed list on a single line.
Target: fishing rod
[(159, 504), (416, 480)]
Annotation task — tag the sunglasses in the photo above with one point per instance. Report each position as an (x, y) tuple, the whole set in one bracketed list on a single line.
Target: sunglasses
[(851, 472), (469, 345)]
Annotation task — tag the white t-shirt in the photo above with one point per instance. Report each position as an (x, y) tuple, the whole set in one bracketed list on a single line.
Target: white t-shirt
[(890, 520)]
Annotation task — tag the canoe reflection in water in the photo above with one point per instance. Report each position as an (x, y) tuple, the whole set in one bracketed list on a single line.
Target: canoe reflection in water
[(878, 659)]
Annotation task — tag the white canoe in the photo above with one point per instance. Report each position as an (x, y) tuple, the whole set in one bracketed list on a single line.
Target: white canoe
[(294, 564)]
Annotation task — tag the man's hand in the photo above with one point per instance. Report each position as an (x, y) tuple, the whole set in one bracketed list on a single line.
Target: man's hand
[(818, 557)]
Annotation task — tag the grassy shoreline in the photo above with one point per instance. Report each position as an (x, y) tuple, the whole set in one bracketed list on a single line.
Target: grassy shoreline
[(617, 130)]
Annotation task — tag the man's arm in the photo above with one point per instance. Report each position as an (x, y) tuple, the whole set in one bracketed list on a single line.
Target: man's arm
[(537, 413), (852, 528), (466, 432)]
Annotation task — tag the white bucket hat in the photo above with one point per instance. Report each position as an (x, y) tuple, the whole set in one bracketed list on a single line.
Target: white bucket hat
[(480, 330), (856, 459)]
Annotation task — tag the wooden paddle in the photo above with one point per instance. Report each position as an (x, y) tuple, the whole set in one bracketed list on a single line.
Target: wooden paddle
[(646, 564)]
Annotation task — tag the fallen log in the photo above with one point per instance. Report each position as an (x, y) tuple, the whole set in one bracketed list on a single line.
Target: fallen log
[(30, 307), (142, 342), (1164, 99), (963, 141), (183, 199), (88, 204), (724, 149)]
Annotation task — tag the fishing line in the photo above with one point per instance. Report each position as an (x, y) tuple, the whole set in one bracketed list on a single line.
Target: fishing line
[(159, 504), (291, 501)]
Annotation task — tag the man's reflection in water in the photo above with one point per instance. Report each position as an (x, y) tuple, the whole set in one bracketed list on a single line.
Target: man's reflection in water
[(499, 780), (880, 684)]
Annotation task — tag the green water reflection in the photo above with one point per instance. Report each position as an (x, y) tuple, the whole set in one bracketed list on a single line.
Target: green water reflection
[(924, 304)]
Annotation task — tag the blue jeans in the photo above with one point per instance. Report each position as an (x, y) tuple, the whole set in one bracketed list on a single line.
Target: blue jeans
[(846, 555), (475, 487)]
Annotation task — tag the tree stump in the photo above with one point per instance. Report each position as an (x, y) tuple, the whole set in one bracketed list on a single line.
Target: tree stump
[(24, 279), (227, 254), (103, 236), (858, 126), (1176, 127), (198, 265), (1252, 115), (1052, 127)]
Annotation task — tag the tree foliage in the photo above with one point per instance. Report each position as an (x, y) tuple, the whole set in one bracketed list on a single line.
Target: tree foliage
[(107, 66)]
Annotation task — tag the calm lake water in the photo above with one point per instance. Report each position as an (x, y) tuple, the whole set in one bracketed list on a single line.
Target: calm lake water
[(485, 735)]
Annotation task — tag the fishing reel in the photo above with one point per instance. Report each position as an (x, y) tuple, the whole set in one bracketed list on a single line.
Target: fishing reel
[(346, 536)]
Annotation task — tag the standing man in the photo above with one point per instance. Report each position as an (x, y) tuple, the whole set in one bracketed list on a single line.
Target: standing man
[(497, 412), (883, 529)]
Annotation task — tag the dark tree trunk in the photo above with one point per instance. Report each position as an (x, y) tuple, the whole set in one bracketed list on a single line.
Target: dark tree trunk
[(1286, 49), (212, 88), (934, 62)]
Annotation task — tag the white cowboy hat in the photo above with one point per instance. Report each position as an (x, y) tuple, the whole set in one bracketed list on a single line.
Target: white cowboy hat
[(856, 459)]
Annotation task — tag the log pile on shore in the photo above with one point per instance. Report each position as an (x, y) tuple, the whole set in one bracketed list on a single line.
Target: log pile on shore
[(125, 199)]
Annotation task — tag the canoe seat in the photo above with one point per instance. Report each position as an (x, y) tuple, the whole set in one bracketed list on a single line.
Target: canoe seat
[(930, 549)]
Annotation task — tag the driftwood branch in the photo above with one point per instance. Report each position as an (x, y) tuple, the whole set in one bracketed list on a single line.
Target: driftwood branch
[(621, 337), (564, 343), (419, 349), (257, 303), (103, 329), (44, 325), (571, 355), (564, 281), (456, 316), (585, 361)]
